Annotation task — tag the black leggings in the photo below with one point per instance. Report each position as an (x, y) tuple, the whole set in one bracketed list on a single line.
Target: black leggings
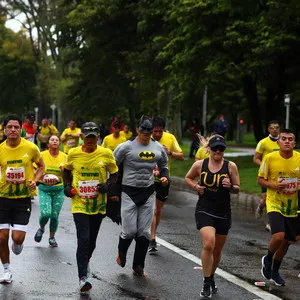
[(87, 228)]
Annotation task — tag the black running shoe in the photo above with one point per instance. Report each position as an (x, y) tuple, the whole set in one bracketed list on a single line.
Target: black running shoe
[(206, 291), (152, 246), (266, 268), (277, 279), (214, 288)]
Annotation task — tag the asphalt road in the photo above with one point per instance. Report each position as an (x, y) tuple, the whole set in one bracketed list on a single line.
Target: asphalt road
[(41, 272)]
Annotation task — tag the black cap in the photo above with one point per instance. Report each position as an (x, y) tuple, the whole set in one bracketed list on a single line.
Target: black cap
[(216, 141), (146, 125), (30, 116), (90, 128)]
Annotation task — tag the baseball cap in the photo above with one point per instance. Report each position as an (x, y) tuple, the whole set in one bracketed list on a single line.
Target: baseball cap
[(146, 125), (30, 116), (90, 128), (216, 141)]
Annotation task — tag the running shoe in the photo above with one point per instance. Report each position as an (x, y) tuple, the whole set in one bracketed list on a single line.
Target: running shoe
[(16, 248), (214, 287), (266, 268), (206, 291), (277, 279), (268, 227), (152, 246), (39, 234), (259, 211), (84, 284), (52, 242), (7, 276), (138, 271)]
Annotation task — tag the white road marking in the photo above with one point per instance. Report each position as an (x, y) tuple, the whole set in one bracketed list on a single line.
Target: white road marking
[(229, 277)]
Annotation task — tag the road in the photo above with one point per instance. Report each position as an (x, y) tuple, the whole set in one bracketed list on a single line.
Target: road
[(43, 273)]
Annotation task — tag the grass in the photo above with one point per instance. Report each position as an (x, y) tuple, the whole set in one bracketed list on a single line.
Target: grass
[(248, 170)]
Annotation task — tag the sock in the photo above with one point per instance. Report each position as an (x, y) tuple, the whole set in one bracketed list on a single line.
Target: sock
[(276, 265), (207, 279), (269, 256), (6, 266)]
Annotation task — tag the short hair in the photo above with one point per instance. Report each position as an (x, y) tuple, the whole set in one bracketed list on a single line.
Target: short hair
[(273, 122), (159, 122), (287, 130), (12, 117)]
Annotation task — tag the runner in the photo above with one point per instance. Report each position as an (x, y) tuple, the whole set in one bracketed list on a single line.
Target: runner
[(217, 179), (85, 180), (51, 190), (279, 173), (203, 151), (17, 185), (173, 150), (138, 158), (70, 136), (264, 147), (45, 131), (126, 132), (112, 140)]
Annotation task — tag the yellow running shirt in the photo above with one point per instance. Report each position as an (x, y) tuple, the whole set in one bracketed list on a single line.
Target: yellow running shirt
[(17, 168), (53, 165), (90, 169), (128, 135), (202, 153), (70, 141), (111, 142), (275, 168), (266, 146)]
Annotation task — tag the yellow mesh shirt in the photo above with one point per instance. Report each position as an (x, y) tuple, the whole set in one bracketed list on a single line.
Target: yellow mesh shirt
[(275, 168), (71, 141), (266, 146), (17, 168), (90, 169), (111, 142)]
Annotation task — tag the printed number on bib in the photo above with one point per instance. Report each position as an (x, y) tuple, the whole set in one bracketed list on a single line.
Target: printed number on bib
[(15, 175), (71, 143), (88, 189), (290, 185), (50, 179)]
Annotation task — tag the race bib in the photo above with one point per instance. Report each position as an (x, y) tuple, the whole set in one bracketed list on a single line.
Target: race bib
[(88, 189), (291, 185), (50, 179), (71, 143), (15, 175)]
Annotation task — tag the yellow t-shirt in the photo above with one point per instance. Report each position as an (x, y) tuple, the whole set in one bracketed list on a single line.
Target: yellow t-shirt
[(266, 146), (128, 135), (70, 141), (90, 169), (53, 165), (17, 168), (202, 153), (111, 142), (54, 130), (275, 168)]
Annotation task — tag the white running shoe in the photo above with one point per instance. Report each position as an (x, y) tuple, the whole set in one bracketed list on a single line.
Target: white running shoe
[(7, 276), (16, 248), (84, 284)]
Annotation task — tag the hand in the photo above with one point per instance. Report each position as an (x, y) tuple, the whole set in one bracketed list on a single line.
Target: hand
[(164, 180), (226, 183), (69, 191), (200, 189), (32, 185), (103, 188)]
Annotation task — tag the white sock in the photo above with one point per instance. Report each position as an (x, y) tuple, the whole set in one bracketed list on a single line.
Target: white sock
[(6, 266)]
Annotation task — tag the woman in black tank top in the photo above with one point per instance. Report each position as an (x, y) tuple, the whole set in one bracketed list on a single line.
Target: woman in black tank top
[(217, 179)]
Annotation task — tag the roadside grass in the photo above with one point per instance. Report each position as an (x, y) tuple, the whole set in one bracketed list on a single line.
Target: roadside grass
[(248, 170)]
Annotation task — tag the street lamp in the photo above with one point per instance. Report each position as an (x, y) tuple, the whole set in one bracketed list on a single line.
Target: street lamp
[(287, 111), (36, 109), (53, 107)]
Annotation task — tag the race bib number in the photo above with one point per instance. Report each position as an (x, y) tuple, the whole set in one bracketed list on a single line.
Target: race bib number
[(50, 179), (290, 185), (88, 189), (15, 175), (71, 143)]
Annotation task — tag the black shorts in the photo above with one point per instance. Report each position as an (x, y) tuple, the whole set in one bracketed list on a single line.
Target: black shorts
[(222, 225), (15, 211), (162, 191), (289, 225)]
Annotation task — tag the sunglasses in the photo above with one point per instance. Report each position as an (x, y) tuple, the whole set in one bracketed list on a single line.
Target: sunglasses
[(218, 148), (273, 127)]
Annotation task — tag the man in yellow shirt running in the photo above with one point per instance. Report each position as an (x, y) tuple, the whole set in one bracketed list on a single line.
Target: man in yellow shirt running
[(112, 140), (279, 173), (173, 151), (70, 136)]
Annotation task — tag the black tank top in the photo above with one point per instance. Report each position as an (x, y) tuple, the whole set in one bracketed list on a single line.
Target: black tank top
[(216, 198)]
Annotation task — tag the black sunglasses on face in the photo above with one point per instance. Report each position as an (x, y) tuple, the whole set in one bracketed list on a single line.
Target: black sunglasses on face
[(90, 129), (218, 148)]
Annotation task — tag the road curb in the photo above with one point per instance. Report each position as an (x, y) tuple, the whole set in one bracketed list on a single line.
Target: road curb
[(241, 201)]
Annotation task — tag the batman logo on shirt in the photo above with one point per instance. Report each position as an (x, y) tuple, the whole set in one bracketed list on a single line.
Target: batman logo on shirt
[(146, 155)]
